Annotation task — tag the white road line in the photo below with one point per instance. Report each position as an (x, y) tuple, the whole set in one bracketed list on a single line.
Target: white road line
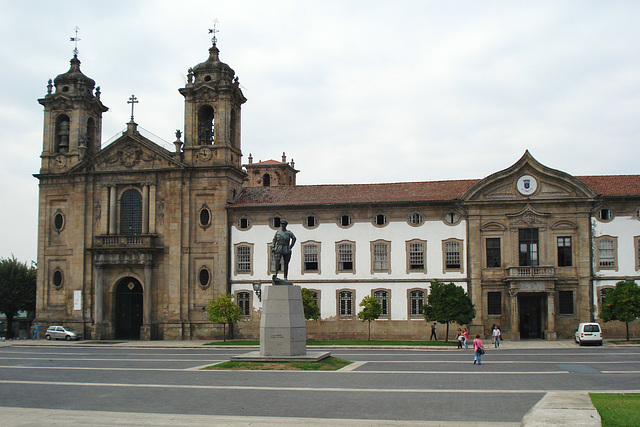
[(102, 359), (264, 388)]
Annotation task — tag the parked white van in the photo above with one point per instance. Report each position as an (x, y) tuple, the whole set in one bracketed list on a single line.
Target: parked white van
[(589, 333)]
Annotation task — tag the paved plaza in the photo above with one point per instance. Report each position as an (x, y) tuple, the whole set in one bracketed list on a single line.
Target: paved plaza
[(161, 383)]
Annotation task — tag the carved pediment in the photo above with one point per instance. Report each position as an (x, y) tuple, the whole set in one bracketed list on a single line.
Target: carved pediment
[(528, 217), (128, 153), (528, 179)]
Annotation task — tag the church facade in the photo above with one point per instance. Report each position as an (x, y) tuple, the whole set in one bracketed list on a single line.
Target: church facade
[(134, 240)]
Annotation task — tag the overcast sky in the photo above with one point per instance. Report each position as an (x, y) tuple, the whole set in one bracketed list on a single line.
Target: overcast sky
[(353, 91)]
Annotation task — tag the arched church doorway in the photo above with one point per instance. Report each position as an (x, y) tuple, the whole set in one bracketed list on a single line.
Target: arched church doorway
[(129, 303), (532, 310)]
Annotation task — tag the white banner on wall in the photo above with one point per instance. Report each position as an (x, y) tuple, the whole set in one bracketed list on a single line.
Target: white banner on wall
[(77, 300)]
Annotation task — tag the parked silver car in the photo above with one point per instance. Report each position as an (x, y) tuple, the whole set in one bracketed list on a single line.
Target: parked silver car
[(61, 333)]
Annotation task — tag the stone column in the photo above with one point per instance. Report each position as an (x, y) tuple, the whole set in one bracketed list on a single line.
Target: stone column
[(145, 329), (112, 210), (145, 209), (515, 316), (97, 330), (550, 333)]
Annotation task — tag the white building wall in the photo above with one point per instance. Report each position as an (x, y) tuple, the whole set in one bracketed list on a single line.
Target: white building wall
[(398, 281), (625, 228)]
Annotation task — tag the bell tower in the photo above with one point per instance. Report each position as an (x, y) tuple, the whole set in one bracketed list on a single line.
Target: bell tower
[(72, 119), (212, 114)]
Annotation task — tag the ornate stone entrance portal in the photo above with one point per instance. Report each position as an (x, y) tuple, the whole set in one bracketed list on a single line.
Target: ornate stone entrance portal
[(129, 309)]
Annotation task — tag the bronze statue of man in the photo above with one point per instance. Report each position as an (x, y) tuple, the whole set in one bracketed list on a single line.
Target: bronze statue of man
[(281, 247)]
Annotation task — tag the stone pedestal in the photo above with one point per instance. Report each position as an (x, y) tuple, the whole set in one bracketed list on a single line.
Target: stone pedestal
[(283, 331), (145, 333)]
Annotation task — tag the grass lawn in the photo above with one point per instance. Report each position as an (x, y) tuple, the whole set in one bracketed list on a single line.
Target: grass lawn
[(617, 409), (347, 342), (328, 364)]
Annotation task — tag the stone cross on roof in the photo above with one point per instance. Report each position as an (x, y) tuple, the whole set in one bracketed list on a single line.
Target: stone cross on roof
[(132, 100), (75, 39)]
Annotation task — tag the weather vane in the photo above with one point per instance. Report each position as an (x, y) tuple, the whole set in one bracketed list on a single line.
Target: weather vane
[(214, 31), (133, 100), (75, 39)]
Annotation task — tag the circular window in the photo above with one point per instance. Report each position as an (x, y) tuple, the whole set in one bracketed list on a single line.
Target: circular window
[(58, 221), (345, 221), (415, 219), (204, 277), (310, 221), (207, 78), (205, 216), (65, 89), (244, 223), (451, 218), (380, 220), (58, 279), (605, 214)]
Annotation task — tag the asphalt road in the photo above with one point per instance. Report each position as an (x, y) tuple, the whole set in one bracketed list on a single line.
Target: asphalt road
[(397, 385)]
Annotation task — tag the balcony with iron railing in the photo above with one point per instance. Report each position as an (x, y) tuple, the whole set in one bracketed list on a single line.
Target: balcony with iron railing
[(123, 241), (530, 272)]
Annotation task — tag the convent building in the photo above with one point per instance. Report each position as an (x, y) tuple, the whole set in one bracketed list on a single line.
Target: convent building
[(135, 239)]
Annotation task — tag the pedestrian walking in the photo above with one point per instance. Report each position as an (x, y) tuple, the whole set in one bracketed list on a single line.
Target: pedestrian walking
[(466, 339), (478, 349), (496, 337), (36, 332), (459, 338), (433, 332)]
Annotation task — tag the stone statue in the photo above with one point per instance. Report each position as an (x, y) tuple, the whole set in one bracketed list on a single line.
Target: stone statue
[(281, 246)]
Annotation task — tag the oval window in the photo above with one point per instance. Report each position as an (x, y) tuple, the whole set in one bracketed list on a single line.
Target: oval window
[(58, 221), (205, 217), (204, 277), (57, 278)]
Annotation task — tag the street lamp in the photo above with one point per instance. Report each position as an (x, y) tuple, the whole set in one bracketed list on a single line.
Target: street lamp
[(256, 289)]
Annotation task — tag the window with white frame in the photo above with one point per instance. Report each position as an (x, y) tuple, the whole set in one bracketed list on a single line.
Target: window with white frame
[(380, 256), (416, 256), (636, 241), (415, 219), (244, 253), (452, 249), (416, 301), (345, 252), (383, 298), (606, 253), (243, 299), (345, 303), (310, 257)]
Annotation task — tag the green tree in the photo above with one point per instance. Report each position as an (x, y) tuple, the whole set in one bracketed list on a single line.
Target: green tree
[(17, 289), (371, 310), (311, 310), (448, 303), (622, 304), (224, 310)]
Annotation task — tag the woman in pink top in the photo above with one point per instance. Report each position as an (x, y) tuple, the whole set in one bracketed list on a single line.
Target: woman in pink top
[(466, 339), (477, 346)]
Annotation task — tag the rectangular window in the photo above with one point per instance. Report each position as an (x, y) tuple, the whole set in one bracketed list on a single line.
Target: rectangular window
[(244, 302), (452, 255), (345, 303), (528, 238), (565, 256), (345, 256), (636, 241), (383, 299), (310, 252), (380, 256), (565, 302), (494, 303), (493, 252), (416, 256), (416, 301), (606, 253), (243, 259)]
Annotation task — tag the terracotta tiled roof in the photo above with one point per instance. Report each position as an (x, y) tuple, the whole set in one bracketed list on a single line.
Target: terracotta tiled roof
[(266, 162), (613, 185), (300, 195), (430, 191)]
